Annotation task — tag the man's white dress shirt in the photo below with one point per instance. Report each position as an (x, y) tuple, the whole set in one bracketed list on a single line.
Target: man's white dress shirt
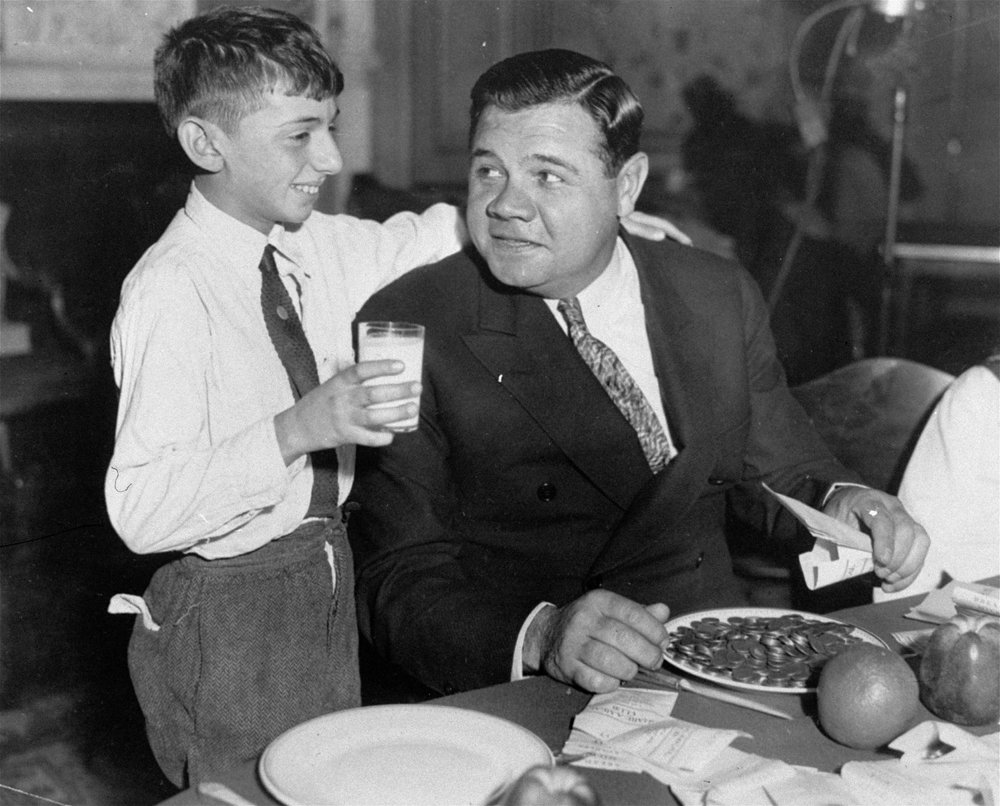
[(613, 310)]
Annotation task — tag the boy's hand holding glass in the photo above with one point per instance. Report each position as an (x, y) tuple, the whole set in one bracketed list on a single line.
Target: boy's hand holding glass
[(347, 410), (403, 342)]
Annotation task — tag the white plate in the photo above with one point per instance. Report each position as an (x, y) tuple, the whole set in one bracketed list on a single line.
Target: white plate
[(398, 754), (759, 612)]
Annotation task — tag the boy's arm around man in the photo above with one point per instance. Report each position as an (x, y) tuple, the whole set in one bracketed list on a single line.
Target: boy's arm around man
[(197, 463)]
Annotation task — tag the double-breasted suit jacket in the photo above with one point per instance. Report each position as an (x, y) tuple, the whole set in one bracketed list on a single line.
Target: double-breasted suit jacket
[(524, 483)]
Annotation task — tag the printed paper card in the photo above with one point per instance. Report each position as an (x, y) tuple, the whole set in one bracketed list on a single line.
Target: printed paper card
[(941, 604), (631, 729), (622, 710), (839, 553), (673, 747)]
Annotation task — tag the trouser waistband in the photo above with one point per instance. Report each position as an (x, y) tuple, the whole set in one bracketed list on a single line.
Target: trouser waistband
[(308, 538)]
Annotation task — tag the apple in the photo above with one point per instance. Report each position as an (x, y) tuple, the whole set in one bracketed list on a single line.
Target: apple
[(551, 786), (960, 670)]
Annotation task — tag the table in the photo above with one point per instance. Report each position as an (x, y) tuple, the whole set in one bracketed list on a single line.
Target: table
[(978, 266), (547, 708)]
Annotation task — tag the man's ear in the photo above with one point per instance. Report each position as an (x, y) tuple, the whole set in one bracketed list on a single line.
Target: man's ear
[(631, 178), (200, 140)]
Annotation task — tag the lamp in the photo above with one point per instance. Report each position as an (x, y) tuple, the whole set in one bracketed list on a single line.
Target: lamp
[(812, 116), (894, 9)]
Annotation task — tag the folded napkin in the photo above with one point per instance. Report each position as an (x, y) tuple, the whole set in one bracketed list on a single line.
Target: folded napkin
[(940, 765)]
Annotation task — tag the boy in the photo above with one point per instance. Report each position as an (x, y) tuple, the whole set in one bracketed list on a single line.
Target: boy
[(240, 400), (221, 448)]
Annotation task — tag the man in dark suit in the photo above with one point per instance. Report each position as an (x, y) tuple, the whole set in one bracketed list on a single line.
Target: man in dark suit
[(541, 519)]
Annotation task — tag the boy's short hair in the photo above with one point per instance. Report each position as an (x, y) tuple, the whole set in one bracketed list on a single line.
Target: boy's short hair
[(219, 65), (564, 76)]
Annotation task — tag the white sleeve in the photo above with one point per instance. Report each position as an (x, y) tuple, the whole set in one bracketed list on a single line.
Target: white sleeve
[(168, 487), (951, 485), (371, 255), (426, 237), (517, 662)]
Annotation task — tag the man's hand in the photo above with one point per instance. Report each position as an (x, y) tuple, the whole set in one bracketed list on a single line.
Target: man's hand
[(337, 411), (899, 543), (652, 228), (596, 641)]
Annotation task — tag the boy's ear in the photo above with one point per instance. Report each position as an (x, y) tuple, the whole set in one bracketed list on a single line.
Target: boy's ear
[(199, 138)]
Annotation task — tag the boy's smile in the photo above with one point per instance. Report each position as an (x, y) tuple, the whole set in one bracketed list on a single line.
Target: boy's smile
[(275, 161)]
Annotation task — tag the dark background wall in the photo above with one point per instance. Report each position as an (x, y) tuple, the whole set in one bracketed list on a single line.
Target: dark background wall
[(91, 186)]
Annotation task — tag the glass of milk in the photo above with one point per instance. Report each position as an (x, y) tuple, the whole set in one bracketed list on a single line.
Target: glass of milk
[(396, 341)]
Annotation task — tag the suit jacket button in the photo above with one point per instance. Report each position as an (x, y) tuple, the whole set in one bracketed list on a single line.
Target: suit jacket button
[(700, 560), (716, 482), (594, 582), (546, 491)]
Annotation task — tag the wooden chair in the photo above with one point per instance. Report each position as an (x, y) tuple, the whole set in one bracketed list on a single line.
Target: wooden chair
[(870, 414)]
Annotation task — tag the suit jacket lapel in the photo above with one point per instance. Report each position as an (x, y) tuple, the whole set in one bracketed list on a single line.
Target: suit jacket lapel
[(675, 340), (682, 370), (520, 340)]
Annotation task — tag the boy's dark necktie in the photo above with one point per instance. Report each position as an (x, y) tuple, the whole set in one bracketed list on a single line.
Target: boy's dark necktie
[(289, 339), (620, 386)]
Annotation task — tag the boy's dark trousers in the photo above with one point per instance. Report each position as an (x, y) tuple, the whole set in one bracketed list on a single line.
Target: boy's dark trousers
[(248, 647)]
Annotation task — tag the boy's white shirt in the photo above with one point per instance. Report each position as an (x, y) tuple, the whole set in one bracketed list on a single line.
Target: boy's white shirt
[(196, 465)]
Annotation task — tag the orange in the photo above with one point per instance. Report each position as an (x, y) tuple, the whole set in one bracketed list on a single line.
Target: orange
[(867, 696)]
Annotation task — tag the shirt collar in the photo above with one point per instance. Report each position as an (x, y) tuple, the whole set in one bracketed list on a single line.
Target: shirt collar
[(608, 288), (241, 243)]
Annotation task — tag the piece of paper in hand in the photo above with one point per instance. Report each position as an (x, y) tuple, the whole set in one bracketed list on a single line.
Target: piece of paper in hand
[(839, 553)]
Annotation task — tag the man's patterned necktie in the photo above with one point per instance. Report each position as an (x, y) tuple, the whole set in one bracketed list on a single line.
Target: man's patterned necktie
[(620, 386), (289, 339)]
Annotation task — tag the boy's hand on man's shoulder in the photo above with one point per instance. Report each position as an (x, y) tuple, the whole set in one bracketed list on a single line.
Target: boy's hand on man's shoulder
[(339, 411), (653, 228)]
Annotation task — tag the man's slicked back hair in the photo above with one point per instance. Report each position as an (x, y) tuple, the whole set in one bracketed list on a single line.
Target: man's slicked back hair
[(219, 65), (564, 76)]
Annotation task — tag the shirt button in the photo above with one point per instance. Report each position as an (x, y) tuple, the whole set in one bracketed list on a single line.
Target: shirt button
[(700, 560), (546, 491)]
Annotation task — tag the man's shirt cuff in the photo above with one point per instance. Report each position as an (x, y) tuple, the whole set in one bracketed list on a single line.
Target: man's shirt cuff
[(517, 663), (839, 485)]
